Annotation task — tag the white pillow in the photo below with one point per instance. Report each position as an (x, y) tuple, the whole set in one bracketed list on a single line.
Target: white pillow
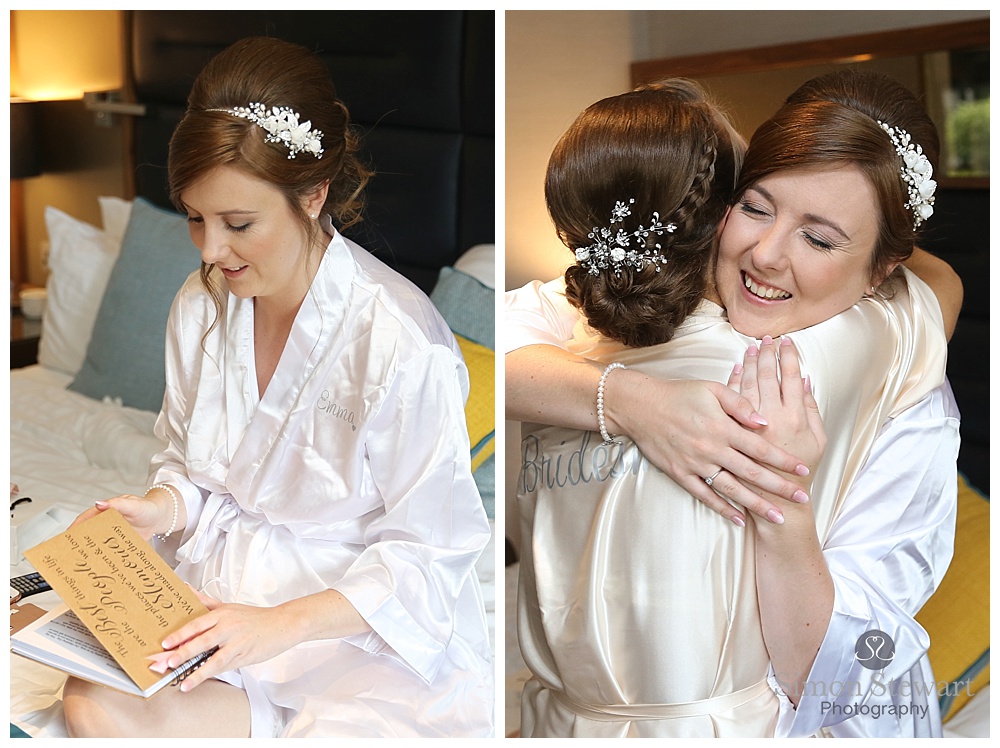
[(81, 257), (120, 438), (479, 262), (115, 213)]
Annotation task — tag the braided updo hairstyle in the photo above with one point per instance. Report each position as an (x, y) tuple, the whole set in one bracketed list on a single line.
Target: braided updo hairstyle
[(668, 148)]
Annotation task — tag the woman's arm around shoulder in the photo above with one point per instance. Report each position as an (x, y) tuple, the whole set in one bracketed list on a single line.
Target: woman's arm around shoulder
[(689, 429), (538, 313), (945, 283)]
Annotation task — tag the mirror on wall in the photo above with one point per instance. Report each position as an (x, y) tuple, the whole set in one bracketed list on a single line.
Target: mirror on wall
[(946, 65)]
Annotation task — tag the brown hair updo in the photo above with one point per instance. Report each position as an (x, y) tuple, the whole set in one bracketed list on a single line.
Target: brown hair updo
[(668, 148), (274, 73), (833, 120)]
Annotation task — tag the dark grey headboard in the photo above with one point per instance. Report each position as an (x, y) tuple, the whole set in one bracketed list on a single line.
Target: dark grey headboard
[(420, 85), (959, 233)]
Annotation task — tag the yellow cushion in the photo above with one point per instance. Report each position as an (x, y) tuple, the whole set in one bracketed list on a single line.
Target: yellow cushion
[(479, 409), (957, 616)]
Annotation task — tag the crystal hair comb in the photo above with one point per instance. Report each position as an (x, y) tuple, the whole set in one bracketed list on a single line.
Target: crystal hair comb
[(613, 249)]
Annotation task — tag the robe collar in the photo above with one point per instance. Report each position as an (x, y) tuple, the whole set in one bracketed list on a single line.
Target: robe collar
[(252, 432)]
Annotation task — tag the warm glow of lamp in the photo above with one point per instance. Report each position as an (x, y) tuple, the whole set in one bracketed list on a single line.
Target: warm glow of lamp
[(60, 54)]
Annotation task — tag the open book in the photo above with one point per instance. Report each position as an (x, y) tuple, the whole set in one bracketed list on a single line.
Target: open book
[(121, 600), (59, 639)]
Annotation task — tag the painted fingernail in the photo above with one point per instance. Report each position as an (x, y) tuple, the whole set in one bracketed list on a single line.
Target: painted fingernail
[(801, 470), (752, 350), (800, 496), (738, 521), (738, 369), (758, 419), (775, 516), (101, 504), (808, 384), (766, 340), (158, 667), (786, 341)]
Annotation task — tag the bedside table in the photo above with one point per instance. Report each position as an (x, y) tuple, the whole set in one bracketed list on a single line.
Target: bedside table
[(24, 336)]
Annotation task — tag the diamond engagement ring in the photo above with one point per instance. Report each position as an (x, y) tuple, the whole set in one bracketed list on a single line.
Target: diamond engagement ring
[(715, 475)]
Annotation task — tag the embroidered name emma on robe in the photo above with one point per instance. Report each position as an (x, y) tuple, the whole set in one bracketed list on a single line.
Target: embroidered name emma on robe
[(337, 411)]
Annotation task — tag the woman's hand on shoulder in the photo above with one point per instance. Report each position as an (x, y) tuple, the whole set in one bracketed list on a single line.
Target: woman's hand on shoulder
[(793, 418), (694, 430)]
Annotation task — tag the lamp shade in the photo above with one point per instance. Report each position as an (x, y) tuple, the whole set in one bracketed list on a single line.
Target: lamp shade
[(25, 139)]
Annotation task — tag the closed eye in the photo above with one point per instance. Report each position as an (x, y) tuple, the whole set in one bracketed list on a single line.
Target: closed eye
[(751, 210), (238, 229), (818, 243)]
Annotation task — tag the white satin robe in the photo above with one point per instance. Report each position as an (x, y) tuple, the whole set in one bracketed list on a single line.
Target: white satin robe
[(638, 612), (352, 473)]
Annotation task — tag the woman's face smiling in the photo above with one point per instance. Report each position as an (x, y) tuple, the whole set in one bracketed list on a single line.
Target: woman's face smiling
[(245, 227), (796, 249)]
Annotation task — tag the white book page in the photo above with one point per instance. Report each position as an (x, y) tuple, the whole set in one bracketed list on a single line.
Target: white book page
[(59, 638)]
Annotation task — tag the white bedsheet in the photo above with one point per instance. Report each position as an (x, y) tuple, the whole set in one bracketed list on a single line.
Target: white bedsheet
[(70, 450)]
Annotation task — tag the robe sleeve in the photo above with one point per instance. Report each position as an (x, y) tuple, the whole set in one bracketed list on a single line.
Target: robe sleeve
[(887, 551), (422, 552), (183, 347), (538, 313)]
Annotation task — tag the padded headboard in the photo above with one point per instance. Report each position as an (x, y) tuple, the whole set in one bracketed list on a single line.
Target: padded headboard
[(959, 233), (419, 84)]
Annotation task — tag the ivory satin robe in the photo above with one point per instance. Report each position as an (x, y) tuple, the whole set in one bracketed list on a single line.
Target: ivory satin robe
[(352, 472), (637, 605)]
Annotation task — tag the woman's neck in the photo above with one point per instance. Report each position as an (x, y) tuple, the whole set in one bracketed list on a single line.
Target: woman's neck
[(712, 294), (711, 291), (273, 319), (280, 308)]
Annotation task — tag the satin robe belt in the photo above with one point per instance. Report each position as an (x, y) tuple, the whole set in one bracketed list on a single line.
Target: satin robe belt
[(217, 518), (634, 712)]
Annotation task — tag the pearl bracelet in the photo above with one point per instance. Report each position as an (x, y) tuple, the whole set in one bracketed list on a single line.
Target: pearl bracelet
[(608, 439), (173, 494)]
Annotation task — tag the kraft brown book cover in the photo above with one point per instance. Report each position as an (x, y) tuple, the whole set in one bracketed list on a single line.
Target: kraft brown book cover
[(125, 594)]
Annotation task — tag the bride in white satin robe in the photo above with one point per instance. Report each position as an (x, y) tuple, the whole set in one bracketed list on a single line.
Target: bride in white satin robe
[(638, 611), (350, 473)]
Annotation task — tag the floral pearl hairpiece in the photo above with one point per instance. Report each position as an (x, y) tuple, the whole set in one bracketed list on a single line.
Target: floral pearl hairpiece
[(282, 126), (915, 171), (612, 249)]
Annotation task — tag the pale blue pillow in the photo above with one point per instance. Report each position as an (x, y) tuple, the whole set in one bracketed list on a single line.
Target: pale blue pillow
[(467, 305), (125, 356)]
